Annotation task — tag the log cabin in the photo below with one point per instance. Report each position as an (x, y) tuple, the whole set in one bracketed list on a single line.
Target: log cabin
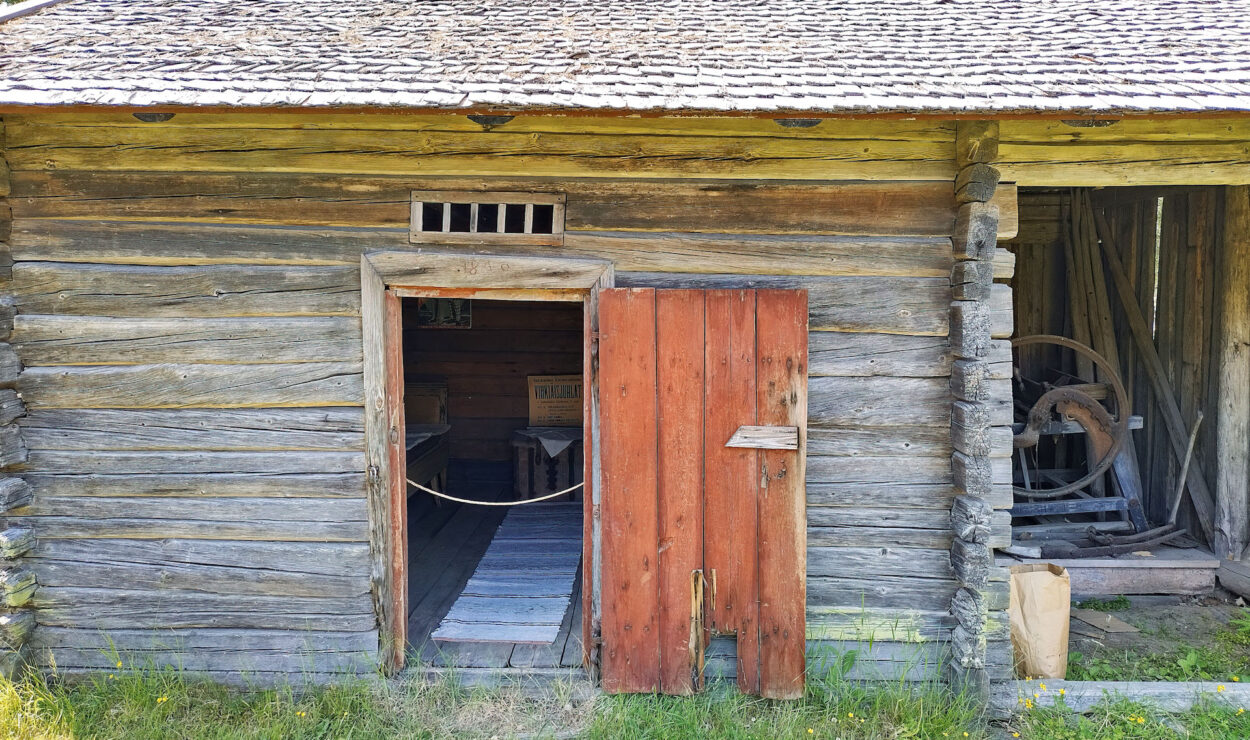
[(272, 272)]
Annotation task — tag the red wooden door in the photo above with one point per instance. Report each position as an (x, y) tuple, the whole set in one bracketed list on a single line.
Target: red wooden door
[(699, 537)]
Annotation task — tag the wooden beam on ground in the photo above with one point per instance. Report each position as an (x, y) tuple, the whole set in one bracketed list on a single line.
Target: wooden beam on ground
[(1233, 342)]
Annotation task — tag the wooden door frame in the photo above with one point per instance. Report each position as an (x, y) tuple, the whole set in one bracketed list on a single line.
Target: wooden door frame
[(409, 273)]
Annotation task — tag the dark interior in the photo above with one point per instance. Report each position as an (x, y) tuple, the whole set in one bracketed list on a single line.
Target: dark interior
[(466, 365)]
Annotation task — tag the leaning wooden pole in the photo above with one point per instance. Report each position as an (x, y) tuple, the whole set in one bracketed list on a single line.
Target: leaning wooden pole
[(974, 241), (1232, 426)]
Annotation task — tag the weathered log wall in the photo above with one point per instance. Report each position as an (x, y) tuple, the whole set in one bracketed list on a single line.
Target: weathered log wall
[(187, 298)]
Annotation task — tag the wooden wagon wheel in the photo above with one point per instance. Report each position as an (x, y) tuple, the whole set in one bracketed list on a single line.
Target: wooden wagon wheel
[(1041, 411)]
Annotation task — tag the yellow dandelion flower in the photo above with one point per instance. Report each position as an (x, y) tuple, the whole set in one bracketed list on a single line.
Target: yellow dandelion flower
[(162, 699), (850, 714), (1062, 691), (1236, 679), (810, 731), (1239, 711), (965, 734), (1015, 734), (119, 664), (1041, 686), (1141, 720), (1036, 695), (1028, 703), (1220, 687), (112, 677)]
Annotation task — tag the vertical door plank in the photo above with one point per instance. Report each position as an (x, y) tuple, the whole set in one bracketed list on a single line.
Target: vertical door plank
[(397, 482), (781, 372), (628, 499), (590, 384), (730, 486), (680, 357)]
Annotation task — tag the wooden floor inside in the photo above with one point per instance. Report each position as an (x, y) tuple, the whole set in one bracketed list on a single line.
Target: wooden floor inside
[(445, 544)]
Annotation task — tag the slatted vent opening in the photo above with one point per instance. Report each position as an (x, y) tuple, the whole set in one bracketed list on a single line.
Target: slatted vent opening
[(443, 217)]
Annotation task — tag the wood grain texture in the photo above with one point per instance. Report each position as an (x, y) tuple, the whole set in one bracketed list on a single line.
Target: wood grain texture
[(888, 305), (396, 483), (570, 152), (445, 269), (128, 243), (377, 458), (303, 569), (731, 498), (781, 400), (194, 385), (902, 207), (1232, 477), (889, 401), (167, 462), (866, 354), (196, 650), (289, 519), (265, 484), (208, 291), (97, 340), (679, 339), (333, 428), (630, 656), (1128, 152)]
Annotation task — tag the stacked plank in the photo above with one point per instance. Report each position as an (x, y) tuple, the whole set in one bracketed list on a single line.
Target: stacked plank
[(980, 436), (156, 262), (17, 581)]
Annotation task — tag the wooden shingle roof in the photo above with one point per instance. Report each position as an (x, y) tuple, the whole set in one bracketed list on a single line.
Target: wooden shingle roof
[(834, 56)]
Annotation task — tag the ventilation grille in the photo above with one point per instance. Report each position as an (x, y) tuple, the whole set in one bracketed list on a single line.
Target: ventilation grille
[(442, 217)]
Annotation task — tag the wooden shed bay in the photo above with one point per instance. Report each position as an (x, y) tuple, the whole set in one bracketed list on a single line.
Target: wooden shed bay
[(211, 317)]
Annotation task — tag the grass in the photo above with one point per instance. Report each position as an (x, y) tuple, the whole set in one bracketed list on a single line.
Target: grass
[(1127, 720), (1227, 659), (164, 703), (1117, 604)]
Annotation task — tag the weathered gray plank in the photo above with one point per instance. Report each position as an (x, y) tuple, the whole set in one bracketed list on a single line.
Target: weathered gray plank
[(11, 407), (351, 485), (860, 531), (61, 462), (884, 470), (333, 428), (14, 493), (859, 354), (274, 519), (271, 510), (118, 609), (191, 291), (98, 340), (902, 495), (886, 559), (123, 242), (189, 386), (890, 305), (10, 365), (210, 649), (886, 401), (318, 569), (871, 590), (12, 449), (765, 438)]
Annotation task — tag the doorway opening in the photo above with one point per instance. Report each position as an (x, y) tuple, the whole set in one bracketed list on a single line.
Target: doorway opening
[(493, 413)]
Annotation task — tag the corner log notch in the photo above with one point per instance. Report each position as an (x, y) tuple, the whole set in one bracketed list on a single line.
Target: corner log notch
[(17, 583), (974, 440)]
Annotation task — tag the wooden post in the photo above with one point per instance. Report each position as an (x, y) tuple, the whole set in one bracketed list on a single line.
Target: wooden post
[(974, 242), (1233, 417)]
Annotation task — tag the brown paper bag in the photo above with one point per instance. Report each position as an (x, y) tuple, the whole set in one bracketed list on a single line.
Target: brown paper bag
[(1041, 596)]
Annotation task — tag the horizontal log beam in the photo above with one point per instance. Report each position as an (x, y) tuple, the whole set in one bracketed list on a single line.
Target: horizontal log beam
[(191, 386)]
